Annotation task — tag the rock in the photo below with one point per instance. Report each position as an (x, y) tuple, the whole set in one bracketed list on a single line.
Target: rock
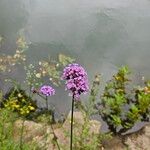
[(34, 132), (95, 126), (139, 140), (79, 121), (30, 129), (113, 144)]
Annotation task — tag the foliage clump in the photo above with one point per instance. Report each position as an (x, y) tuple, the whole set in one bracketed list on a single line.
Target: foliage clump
[(122, 108), (17, 101)]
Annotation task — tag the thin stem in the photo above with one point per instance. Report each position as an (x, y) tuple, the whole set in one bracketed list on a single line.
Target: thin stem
[(46, 102), (30, 90), (46, 136), (71, 136), (46, 99), (55, 137)]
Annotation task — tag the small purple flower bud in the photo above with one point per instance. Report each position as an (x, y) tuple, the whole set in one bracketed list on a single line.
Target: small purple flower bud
[(34, 90)]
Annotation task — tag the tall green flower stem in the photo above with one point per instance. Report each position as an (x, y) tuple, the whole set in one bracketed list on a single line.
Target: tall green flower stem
[(46, 103), (55, 137), (46, 136), (71, 134)]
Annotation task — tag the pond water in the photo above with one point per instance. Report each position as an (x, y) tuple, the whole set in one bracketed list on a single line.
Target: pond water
[(101, 35)]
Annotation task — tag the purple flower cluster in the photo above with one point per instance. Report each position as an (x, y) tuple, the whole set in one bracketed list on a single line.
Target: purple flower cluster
[(47, 90), (76, 79)]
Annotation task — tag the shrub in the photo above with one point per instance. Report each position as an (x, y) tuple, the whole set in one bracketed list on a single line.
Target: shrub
[(17, 101), (122, 108)]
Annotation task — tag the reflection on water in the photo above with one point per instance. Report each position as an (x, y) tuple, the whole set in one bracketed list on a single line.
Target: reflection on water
[(101, 35), (13, 16)]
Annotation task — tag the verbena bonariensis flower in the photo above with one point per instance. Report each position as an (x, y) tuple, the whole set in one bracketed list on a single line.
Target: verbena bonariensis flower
[(76, 79), (47, 90)]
